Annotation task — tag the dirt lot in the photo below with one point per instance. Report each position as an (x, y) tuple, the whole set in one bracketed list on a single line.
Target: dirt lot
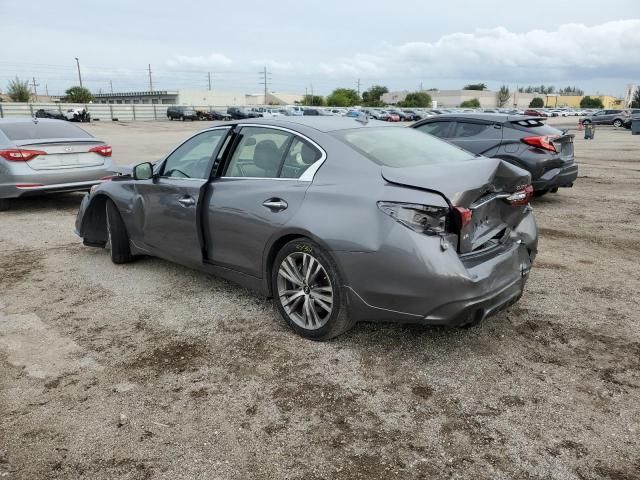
[(152, 370)]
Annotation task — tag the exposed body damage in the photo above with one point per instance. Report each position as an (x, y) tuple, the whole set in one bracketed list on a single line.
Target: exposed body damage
[(389, 272)]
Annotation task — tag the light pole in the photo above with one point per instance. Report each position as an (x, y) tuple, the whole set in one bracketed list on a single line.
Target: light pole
[(79, 76)]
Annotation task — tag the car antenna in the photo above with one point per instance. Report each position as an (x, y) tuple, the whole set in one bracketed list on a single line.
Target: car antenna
[(363, 118)]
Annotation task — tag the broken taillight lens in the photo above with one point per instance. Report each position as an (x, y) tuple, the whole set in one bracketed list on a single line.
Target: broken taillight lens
[(425, 219), (521, 197), (20, 154), (464, 216), (542, 141)]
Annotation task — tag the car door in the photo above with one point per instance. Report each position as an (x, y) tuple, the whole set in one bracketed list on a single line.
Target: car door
[(170, 202), (260, 188), (476, 136)]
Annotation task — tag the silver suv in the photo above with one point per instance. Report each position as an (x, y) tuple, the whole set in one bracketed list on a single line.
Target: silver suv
[(607, 117)]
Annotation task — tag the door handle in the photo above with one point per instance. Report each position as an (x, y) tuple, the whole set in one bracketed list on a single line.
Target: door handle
[(187, 201), (275, 204)]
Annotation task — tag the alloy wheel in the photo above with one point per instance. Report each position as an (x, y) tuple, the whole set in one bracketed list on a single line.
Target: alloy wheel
[(305, 291)]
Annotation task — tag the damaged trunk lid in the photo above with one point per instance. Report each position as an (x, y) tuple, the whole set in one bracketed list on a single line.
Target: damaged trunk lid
[(481, 185)]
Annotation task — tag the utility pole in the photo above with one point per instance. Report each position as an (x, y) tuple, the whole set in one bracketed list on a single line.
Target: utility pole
[(111, 86), (209, 77), (150, 80), (35, 89), (358, 87), (46, 89), (265, 80), (79, 75)]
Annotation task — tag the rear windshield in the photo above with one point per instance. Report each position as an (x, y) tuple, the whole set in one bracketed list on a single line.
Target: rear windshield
[(40, 130), (401, 147), (536, 126)]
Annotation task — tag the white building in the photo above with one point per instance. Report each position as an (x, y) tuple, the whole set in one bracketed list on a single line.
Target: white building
[(453, 98), (192, 97)]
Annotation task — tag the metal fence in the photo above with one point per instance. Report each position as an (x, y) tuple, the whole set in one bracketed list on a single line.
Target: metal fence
[(98, 111)]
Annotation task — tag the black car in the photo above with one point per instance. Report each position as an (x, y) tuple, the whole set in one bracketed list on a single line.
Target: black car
[(55, 114), (412, 115), (545, 152), (181, 113), (239, 113), (212, 115)]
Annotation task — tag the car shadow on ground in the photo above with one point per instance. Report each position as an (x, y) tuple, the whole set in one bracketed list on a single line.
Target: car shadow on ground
[(41, 203)]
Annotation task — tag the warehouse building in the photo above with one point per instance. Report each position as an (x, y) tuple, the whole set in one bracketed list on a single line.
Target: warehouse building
[(197, 97)]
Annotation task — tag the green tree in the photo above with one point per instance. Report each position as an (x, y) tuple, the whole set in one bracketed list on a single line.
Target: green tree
[(503, 96), (588, 102), (18, 90), (77, 95), (475, 86), (313, 100), (536, 102), (343, 97), (372, 96), (635, 100), (473, 103), (416, 100)]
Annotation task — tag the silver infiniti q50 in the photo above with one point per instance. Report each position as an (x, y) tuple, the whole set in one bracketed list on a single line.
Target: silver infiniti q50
[(339, 220)]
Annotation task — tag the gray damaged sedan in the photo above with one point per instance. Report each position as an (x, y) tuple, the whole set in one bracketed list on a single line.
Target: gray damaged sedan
[(41, 156), (339, 220)]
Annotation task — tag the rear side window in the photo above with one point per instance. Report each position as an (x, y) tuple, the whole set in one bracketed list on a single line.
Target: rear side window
[(466, 129), (42, 130), (401, 147), (438, 129)]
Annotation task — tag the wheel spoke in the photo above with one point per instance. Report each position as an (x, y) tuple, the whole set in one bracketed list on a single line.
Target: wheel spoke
[(290, 273), (319, 296), (314, 313), (323, 305), (290, 296)]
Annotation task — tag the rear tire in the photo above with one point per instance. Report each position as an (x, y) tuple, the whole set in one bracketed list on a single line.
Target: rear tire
[(617, 123), (308, 291), (182, 118), (4, 204), (117, 236)]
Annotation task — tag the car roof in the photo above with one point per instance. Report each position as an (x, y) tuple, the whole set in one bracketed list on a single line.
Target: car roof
[(488, 117), (321, 123)]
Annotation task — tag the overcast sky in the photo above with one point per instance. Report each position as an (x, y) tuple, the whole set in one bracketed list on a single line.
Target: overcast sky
[(325, 44)]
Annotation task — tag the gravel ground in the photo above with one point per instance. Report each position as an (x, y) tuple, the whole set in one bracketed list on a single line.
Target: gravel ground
[(152, 370)]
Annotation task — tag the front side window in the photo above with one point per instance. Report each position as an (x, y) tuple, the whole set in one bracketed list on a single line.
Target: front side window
[(191, 159)]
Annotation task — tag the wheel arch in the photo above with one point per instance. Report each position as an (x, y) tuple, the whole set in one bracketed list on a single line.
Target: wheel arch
[(271, 251), (93, 229)]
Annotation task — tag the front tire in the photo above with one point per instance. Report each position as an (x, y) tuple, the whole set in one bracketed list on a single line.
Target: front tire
[(308, 291), (117, 236), (617, 123)]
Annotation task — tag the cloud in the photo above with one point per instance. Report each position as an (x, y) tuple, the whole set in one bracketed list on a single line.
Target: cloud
[(273, 65), (610, 49), (213, 60)]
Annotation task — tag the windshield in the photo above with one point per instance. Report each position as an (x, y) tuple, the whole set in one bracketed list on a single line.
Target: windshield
[(401, 147)]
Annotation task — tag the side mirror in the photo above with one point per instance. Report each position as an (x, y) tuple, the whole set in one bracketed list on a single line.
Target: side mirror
[(143, 171)]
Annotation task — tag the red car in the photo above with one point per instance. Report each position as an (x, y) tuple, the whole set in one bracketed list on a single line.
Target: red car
[(392, 117), (535, 113)]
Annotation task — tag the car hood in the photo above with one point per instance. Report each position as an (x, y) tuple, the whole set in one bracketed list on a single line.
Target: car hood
[(462, 182)]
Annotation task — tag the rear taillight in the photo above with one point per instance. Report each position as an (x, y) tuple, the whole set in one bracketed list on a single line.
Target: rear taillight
[(425, 219), (521, 197), (104, 150), (542, 141), (464, 216), (20, 155)]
